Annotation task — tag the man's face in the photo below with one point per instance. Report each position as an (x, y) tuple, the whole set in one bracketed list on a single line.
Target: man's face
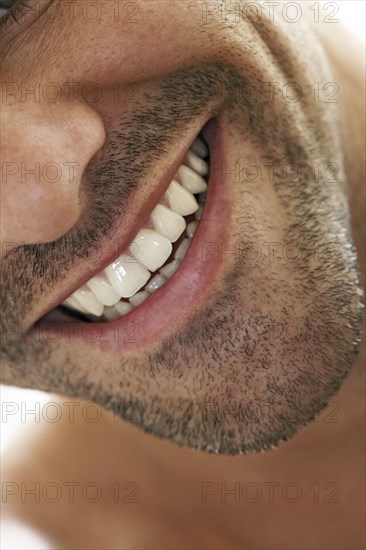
[(259, 324)]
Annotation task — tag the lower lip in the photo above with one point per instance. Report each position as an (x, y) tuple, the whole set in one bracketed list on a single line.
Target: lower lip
[(174, 305)]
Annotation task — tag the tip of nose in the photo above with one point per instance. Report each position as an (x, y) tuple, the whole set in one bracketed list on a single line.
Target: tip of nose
[(45, 156)]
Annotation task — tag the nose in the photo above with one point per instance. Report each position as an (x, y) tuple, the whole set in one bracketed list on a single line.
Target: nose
[(45, 148)]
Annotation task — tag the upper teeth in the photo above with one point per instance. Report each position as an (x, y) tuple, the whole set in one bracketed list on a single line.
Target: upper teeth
[(168, 223), (103, 290), (181, 200), (151, 248), (200, 148), (191, 181), (127, 276)]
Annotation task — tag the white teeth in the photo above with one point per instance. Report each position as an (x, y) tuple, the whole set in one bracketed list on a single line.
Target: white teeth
[(127, 276), (139, 298), (182, 249), (196, 163), (89, 301), (168, 223), (103, 290), (72, 302), (191, 181), (156, 283), (198, 214), (151, 249), (127, 282), (180, 200), (200, 148), (169, 269), (191, 229), (115, 312)]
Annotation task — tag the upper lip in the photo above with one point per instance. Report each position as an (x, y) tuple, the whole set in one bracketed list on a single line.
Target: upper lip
[(120, 235)]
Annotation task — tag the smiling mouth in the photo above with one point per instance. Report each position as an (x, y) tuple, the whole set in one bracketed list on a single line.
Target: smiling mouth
[(155, 253)]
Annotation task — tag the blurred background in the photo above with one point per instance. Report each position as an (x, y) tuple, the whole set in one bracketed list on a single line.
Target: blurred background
[(352, 15), (20, 407)]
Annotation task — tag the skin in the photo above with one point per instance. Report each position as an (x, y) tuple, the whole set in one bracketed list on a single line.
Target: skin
[(262, 293)]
